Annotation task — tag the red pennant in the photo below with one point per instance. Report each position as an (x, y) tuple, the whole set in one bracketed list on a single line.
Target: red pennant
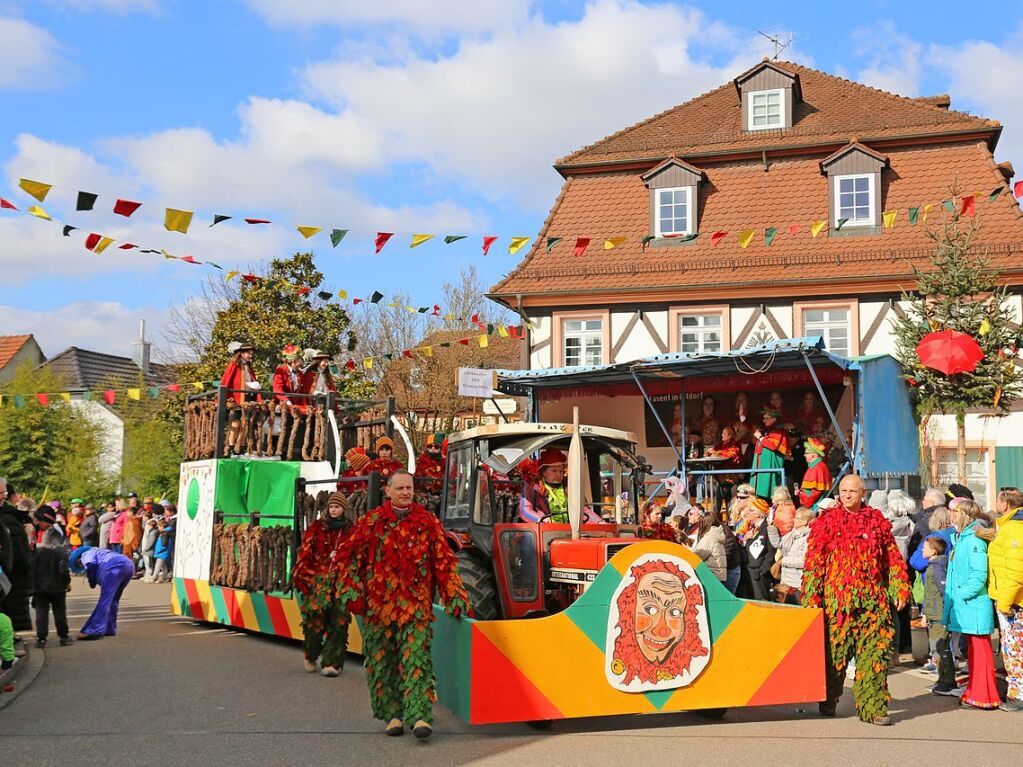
[(436, 311), (381, 240), (475, 319), (407, 353), (356, 301), (188, 260), (44, 399), (110, 396), (127, 246), (6, 204), (126, 207), (350, 365), (793, 229), (1017, 189), (304, 291), (463, 341), (969, 207), (257, 221), (92, 241), (513, 331), (487, 242), (580, 245), (173, 387), (250, 278), (717, 237)]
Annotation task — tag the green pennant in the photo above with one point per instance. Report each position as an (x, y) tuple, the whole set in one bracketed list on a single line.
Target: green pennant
[(994, 194), (336, 235), (914, 216), (388, 356), (687, 238), (949, 206), (445, 345), (68, 229), (19, 401), (86, 396), (646, 240), (154, 392), (769, 235), (454, 238), (217, 218), (551, 242), (215, 266), (376, 297), (86, 201), (423, 309), (490, 328), (840, 223)]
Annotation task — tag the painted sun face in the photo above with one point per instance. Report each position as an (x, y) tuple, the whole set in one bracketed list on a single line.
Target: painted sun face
[(660, 608)]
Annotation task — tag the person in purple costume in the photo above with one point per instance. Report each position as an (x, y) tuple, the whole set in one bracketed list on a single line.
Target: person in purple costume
[(112, 571)]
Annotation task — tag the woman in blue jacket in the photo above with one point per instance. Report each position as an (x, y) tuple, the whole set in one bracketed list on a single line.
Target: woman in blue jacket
[(968, 608)]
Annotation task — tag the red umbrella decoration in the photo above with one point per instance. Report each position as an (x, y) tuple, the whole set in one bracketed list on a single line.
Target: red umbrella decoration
[(949, 352)]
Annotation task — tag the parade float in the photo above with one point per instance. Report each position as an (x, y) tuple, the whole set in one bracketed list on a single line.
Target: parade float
[(572, 620)]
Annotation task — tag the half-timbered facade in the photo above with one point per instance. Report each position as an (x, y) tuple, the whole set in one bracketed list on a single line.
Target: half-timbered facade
[(815, 166)]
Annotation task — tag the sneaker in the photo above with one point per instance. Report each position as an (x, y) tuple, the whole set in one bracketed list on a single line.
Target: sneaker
[(308, 665), (66, 641), (950, 692), (395, 727), (41, 644), (882, 721), (1011, 704), (422, 730), (20, 650), (329, 671)]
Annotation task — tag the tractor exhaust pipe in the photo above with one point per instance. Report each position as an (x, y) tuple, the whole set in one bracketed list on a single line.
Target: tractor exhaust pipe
[(575, 477)]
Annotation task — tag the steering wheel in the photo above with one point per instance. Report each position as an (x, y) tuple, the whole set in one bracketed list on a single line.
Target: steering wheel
[(547, 516)]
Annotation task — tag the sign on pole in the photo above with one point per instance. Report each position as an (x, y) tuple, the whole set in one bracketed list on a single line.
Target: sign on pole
[(473, 382)]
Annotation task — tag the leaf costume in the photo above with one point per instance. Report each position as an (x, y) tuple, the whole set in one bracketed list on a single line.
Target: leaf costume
[(659, 531), (771, 451), (324, 620), (389, 568), (854, 571), (429, 474)]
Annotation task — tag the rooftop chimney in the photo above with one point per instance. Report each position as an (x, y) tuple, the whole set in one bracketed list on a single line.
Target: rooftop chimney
[(140, 350)]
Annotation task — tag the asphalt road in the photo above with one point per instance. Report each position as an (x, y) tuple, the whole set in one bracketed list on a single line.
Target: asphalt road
[(168, 692)]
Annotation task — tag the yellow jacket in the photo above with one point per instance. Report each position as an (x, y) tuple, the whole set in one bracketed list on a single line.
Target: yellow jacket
[(73, 524), (1005, 562)]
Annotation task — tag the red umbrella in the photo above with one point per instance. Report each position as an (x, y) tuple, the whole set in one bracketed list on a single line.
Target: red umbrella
[(949, 352)]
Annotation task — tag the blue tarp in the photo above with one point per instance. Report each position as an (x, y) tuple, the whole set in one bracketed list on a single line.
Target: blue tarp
[(889, 438)]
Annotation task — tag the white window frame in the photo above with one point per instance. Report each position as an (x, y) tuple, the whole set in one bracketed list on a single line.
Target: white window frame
[(701, 332), (826, 325), (871, 191), (689, 211), (585, 335), (781, 109)]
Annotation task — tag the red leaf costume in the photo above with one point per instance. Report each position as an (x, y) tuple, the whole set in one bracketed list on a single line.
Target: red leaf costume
[(324, 620), (659, 531)]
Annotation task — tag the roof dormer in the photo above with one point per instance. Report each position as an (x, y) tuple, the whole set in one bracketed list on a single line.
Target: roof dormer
[(674, 198), (854, 186), (767, 93)]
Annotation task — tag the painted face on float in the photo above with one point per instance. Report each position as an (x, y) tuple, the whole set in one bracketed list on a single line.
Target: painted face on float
[(660, 609)]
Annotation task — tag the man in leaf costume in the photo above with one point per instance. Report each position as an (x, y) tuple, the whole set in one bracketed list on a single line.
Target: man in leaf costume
[(390, 566), (324, 621), (854, 571)]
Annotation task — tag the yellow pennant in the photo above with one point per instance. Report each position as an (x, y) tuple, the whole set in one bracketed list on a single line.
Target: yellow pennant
[(613, 242), (66, 396), (342, 294), (985, 327), (197, 385), (134, 393), (38, 212), (484, 341), (449, 316), (517, 244), (502, 331), (411, 310), (746, 237), (419, 239), (309, 231), (37, 189), (368, 363), (427, 351), (177, 220), (924, 212), (889, 218), (816, 227), (103, 244), (231, 275)]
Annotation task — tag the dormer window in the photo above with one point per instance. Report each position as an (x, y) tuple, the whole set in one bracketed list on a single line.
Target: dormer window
[(854, 200), (854, 187), (766, 110), (672, 214), (674, 197)]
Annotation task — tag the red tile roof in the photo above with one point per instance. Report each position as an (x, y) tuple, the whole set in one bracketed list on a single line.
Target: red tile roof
[(9, 346), (833, 110), (742, 195)]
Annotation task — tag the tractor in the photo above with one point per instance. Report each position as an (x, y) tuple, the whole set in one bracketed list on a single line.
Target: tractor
[(517, 569)]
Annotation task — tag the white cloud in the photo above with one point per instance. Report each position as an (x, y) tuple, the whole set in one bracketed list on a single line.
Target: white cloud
[(894, 59), (30, 57)]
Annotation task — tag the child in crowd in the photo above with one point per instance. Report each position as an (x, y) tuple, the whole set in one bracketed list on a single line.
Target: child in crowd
[(164, 547), (935, 551), (149, 539), (51, 578), (792, 556)]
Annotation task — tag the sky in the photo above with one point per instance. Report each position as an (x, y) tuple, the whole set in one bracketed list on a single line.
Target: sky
[(403, 116)]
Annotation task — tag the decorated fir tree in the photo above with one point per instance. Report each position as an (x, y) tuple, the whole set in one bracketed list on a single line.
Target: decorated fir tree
[(959, 291)]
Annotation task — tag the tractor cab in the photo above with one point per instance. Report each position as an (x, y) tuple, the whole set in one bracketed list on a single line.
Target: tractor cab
[(514, 568)]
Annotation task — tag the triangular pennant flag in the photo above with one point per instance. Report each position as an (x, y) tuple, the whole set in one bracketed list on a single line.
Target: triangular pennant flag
[(449, 316), (68, 229), (189, 260), (173, 388), (217, 218), (103, 244), (769, 234), (37, 189), (19, 401), (613, 242), (445, 345), (436, 311), (350, 365), (487, 242), (127, 246), (7, 204), (66, 396), (426, 351), (463, 341), (256, 220), (502, 331), (517, 244), (969, 206), (817, 227), (336, 235), (92, 241), (110, 396), (1017, 189), (126, 207), (44, 399), (304, 291), (581, 244), (356, 301), (38, 212), (177, 220), (914, 216), (381, 240), (888, 217), (86, 396), (154, 392), (793, 230), (746, 237), (841, 222), (419, 239), (215, 266), (134, 393), (309, 231), (231, 275), (717, 237), (484, 341), (490, 328), (342, 294), (551, 242), (475, 318), (367, 363), (923, 215), (454, 238), (323, 295), (388, 357), (86, 201), (407, 353), (376, 297), (949, 205), (995, 193), (198, 385), (168, 256)]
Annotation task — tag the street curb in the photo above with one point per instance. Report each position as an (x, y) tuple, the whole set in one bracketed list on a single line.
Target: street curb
[(22, 675)]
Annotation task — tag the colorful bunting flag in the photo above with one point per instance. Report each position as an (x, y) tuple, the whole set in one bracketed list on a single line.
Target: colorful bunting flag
[(840, 224), (888, 217), (198, 385), (323, 295), (37, 189), (189, 260), (793, 230), (376, 297), (86, 396), (995, 193), (717, 237), (135, 394), (177, 220), (746, 237), (368, 363), (407, 353), (613, 242), (419, 239), (502, 331), (487, 242), (926, 210), (19, 401), (44, 399), (769, 234), (581, 244), (103, 244), (647, 240), (484, 341), (231, 275), (427, 351), (342, 294), (309, 231), (463, 341), (949, 205), (86, 201), (817, 227), (256, 220), (551, 242), (969, 207), (154, 392), (517, 244), (336, 235), (110, 396), (454, 238), (38, 212), (66, 396), (914, 216), (92, 241), (126, 207), (7, 204), (381, 240), (1017, 189), (217, 218), (68, 230)]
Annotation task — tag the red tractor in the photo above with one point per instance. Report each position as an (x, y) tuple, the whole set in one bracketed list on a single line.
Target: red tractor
[(517, 569)]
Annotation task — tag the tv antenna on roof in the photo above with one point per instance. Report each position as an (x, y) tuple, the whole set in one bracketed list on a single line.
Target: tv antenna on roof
[(778, 42)]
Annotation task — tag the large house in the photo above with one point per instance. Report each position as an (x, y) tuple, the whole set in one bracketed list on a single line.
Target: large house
[(16, 351), (763, 210)]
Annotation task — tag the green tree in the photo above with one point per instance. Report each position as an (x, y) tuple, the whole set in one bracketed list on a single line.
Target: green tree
[(960, 291)]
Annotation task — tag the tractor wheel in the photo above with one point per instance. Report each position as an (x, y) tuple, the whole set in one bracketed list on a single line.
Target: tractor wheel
[(478, 578)]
